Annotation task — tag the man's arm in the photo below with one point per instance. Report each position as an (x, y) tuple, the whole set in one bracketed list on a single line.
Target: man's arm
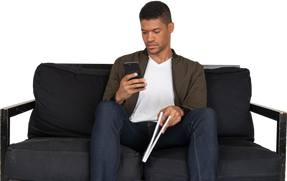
[(175, 113), (195, 97), (118, 100), (183, 110), (113, 82)]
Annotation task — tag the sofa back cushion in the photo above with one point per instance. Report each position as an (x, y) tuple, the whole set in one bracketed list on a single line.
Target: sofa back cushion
[(229, 94), (66, 98)]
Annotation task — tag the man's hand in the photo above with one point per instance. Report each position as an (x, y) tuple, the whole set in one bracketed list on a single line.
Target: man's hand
[(175, 112), (129, 87)]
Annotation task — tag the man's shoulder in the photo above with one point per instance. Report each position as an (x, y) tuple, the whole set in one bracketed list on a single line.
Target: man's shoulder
[(132, 57), (188, 59), (188, 62)]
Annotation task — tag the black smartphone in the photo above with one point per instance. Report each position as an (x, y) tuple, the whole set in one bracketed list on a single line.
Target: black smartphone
[(133, 67)]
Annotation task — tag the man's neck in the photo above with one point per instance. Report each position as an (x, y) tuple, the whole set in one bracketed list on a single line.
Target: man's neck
[(162, 56)]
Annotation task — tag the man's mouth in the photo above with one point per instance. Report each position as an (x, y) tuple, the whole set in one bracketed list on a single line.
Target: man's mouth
[(151, 46)]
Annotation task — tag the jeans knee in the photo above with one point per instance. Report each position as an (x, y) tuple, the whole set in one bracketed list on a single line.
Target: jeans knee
[(210, 114), (106, 112), (206, 116), (106, 106), (210, 110)]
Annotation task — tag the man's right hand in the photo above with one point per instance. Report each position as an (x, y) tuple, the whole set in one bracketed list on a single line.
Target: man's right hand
[(129, 87)]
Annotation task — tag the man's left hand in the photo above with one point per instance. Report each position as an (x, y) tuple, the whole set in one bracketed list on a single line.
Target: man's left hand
[(175, 114)]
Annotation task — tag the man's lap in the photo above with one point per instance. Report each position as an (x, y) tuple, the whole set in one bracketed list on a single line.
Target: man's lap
[(181, 133), (138, 135)]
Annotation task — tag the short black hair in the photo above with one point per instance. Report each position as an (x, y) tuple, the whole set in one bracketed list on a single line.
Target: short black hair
[(155, 10)]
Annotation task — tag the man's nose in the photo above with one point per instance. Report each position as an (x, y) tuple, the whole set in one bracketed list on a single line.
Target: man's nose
[(150, 37)]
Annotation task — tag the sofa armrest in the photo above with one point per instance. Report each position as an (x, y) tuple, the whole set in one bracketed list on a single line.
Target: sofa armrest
[(5, 115), (19, 108), (281, 118)]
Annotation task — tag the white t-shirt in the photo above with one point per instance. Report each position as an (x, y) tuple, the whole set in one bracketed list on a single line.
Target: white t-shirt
[(158, 93)]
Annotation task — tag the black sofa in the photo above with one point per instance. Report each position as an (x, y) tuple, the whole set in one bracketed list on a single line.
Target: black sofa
[(66, 96)]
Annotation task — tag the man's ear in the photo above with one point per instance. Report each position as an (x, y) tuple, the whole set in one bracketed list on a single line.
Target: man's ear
[(173, 27)]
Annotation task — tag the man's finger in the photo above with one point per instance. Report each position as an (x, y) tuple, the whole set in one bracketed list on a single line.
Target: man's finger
[(164, 117), (165, 128), (129, 76), (167, 125), (162, 121)]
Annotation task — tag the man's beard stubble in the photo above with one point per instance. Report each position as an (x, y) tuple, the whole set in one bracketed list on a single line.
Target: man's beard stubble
[(155, 53)]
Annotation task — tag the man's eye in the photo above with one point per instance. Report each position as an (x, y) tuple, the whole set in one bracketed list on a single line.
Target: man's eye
[(144, 32)]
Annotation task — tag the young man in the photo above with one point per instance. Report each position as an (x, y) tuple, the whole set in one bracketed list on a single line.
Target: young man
[(173, 85)]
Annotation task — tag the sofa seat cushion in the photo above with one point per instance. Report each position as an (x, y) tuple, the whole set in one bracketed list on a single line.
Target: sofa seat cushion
[(238, 161), (62, 159)]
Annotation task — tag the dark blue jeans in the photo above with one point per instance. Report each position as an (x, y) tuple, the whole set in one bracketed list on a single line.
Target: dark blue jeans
[(112, 127)]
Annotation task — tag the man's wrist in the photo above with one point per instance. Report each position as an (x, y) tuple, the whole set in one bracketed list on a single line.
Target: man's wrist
[(117, 99), (182, 110)]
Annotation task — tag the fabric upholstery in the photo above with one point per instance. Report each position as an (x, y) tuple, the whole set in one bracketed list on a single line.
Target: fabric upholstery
[(66, 99), (63, 159), (229, 94), (62, 120), (239, 160)]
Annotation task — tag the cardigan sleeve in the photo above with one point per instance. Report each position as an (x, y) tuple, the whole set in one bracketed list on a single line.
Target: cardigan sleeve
[(196, 95), (113, 82)]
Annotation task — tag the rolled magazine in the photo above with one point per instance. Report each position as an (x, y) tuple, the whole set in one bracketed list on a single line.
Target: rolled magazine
[(155, 137)]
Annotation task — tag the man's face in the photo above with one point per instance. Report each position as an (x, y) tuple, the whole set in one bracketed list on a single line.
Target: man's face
[(156, 35)]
